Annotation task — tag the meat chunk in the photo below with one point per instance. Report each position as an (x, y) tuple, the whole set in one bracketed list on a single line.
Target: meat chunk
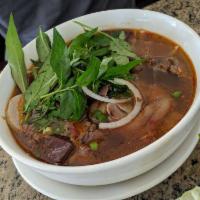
[(118, 111), (83, 156), (166, 64), (14, 112), (54, 149), (104, 90), (114, 112), (96, 135), (153, 113)]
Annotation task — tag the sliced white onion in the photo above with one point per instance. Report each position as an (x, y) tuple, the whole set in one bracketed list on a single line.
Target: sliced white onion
[(103, 99), (136, 109)]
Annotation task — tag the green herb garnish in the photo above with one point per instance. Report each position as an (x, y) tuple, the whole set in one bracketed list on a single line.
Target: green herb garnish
[(118, 91), (45, 80), (15, 56), (120, 71), (43, 45), (91, 73), (100, 116), (93, 59), (94, 146), (177, 94), (59, 60)]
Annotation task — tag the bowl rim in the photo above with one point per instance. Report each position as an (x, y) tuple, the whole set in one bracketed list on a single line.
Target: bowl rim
[(125, 159)]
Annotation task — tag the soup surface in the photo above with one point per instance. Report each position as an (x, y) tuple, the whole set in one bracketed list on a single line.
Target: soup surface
[(166, 81)]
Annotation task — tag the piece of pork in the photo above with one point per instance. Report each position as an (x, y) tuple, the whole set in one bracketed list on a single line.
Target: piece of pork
[(14, 112)]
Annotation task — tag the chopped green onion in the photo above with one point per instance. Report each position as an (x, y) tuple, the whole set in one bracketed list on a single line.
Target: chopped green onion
[(94, 146), (176, 94), (100, 116)]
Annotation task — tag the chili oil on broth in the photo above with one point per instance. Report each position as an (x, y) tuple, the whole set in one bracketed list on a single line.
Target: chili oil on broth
[(153, 85)]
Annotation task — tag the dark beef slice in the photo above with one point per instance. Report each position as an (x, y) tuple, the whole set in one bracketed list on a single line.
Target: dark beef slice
[(166, 64), (96, 135), (53, 149)]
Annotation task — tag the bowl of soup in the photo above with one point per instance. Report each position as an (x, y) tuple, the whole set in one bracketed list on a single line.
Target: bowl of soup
[(105, 97)]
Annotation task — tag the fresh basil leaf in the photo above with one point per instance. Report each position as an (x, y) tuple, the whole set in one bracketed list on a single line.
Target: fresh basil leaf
[(15, 56), (79, 105), (104, 66), (121, 47), (65, 111), (81, 40), (81, 53), (72, 105), (100, 52), (71, 81), (119, 71), (98, 41), (91, 73), (60, 61), (45, 80), (120, 60), (117, 45), (43, 45)]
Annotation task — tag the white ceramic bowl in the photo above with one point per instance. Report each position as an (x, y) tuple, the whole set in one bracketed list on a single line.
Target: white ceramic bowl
[(136, 163)]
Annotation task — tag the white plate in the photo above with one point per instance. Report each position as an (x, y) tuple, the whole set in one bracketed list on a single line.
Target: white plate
[(62, 191)]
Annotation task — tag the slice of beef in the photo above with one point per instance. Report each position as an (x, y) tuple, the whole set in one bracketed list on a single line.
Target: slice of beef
[(96, 135), (54, 149), (83, 156), (165, 64), (104, 91)]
